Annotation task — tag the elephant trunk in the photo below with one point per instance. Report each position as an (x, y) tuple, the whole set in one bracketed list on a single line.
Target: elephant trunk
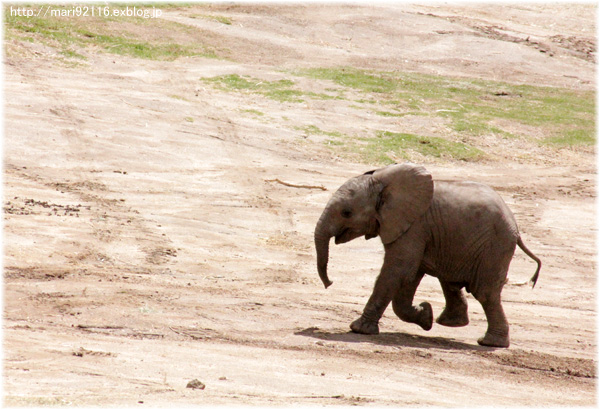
[(323, 234)]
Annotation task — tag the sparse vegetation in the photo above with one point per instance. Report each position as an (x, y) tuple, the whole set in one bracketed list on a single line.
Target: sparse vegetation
[(571, 138), (386, 146), (397, 114), (131, 38), (281, 90), (352, 78), (277, 90), (472, 108), (313, 129), (178, 97), (220, 19), (254, 112)]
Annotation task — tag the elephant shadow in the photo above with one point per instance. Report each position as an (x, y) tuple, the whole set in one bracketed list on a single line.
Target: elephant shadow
[(396, 339)]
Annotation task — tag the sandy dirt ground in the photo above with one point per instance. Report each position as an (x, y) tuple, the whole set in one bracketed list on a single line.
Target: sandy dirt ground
[(143, 251)]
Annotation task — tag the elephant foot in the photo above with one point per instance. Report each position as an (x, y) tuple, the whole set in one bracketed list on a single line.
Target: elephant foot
[(421, 315), (425, 319), (364, 326), (493, 340), (453, 319)]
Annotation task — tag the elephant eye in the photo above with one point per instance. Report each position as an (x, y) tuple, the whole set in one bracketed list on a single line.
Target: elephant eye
[(346, 213)]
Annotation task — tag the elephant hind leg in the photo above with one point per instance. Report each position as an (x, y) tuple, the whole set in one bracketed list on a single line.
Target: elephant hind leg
[(455, 313), (487, 290), (497, 334)]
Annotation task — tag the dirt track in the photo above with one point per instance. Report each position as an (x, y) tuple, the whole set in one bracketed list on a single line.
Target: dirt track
[(143, 250)]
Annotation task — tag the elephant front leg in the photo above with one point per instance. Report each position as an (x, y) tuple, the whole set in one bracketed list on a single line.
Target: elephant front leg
[(398, 280), (402, 303), (368, 322), (385, 287)]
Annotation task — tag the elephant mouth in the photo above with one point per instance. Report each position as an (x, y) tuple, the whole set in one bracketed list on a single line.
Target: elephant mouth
[(345, 236), (373, 230), (348, 234)]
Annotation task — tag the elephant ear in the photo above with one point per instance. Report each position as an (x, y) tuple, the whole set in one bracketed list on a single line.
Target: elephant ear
[(406, 195)]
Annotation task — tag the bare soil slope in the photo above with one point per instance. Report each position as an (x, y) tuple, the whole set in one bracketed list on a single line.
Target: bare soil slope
[(149, 240)]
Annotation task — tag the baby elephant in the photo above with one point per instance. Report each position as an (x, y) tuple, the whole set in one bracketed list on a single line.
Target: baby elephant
[(460, 232)]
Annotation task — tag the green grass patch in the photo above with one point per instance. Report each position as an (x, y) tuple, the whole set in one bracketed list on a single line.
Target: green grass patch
[(389, 114), (386, 146), (280, 90), (571, 138), (472, 107), (254, 112), (353, 78), (398, 114), (314, 130), (323, 96), (128, 36), (73, 54), (219, 19)]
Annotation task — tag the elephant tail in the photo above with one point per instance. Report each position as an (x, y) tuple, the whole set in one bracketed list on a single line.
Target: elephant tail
[(534, 278)]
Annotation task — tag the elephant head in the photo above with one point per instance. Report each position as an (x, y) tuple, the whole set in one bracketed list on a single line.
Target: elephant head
[(383, 202)]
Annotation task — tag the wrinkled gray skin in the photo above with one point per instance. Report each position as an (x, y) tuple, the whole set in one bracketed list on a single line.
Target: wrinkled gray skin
[(459, 232)]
